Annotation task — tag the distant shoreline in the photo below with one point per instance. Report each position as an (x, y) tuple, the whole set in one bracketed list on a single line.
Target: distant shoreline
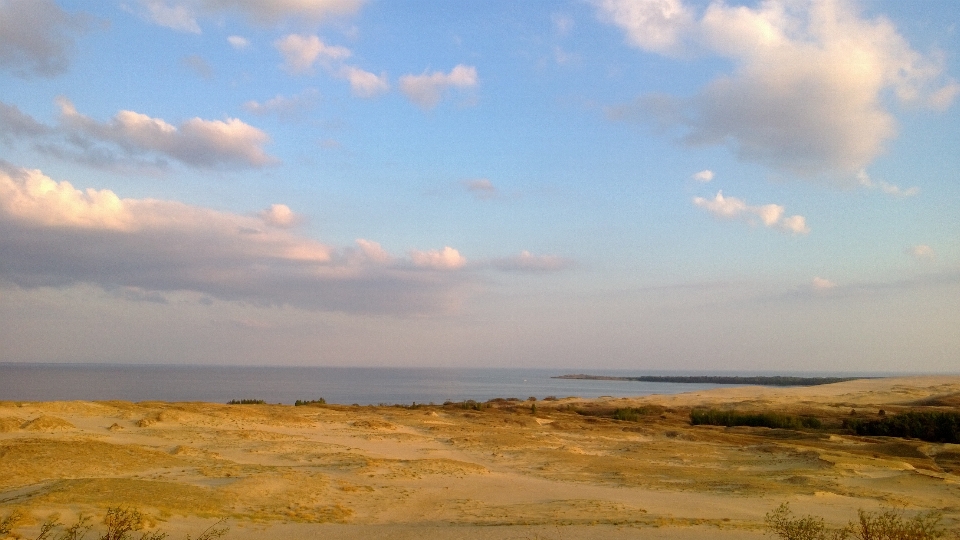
[(777, 380)]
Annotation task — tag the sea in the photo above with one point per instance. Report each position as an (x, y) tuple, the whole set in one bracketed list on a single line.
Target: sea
[(341, 385)]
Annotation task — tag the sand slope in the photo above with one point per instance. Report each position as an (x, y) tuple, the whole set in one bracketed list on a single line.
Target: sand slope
[(362, 472)]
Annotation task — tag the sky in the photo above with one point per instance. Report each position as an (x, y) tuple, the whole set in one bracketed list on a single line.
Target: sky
[(767, 186)]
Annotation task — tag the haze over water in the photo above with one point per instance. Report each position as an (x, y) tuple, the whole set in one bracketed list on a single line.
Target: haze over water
[(364, 386)]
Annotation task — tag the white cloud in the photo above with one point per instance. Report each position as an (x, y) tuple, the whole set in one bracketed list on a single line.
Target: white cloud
[(183, 15), (301, 52), (528, 262), (807, 91), (443, 259), (55, 235), (703, 176), (769, 215), (922, 252), (428, 89), (481, 188), (196, 142), (36, 37), (280, 215), (653, 25), (176, 16), (890, 189), (363, 83), (283, 106), (238, 42), (822, 284)]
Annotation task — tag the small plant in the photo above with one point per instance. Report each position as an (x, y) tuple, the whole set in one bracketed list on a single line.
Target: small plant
[(784, 525), (120, 524), (891, 525), (217, 530), (8, 523), (246, 402), (78, 530), (885, 525)]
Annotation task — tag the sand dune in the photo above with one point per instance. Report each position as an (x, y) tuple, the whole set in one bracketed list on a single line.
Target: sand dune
[(500, 472)]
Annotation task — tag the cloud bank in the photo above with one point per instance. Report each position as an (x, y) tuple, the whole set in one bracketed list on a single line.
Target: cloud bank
[(808, 91), (135, 139), (768, 215), (52, 235)]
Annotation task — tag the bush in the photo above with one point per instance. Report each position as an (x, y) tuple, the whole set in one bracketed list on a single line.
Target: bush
[(303, 402), (715, 417), (246, 402), (467, 405), (884, 525), (633, 414), (931, 426), (784, 525)]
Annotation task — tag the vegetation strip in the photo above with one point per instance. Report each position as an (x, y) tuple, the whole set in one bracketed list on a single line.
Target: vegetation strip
[(777, 380), (931, 426), (714, 417)]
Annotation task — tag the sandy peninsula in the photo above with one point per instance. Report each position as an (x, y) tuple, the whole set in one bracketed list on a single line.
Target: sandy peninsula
[(558, 469)]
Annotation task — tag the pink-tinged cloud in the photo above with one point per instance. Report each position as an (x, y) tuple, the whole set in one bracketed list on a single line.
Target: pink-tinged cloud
[(196, 142), (363, 83), (53, 234), (481, 188), (438, 259), (822, 284), (280, 215), (426, 90), (301, 52), (703, 176), (922, 252), (769, 215)]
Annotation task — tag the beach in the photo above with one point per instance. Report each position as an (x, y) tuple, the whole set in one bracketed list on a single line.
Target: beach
[(561, 468)]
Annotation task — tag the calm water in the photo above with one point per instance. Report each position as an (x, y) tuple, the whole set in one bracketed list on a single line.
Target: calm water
[(46, 382), (365, 386)]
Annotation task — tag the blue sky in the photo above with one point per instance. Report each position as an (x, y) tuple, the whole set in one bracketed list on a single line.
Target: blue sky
[(637, 184)]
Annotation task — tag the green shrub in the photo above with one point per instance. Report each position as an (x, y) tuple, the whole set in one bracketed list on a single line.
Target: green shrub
[(304, 402), (715, 417), (246, 402), (931, 426), (467, 405)]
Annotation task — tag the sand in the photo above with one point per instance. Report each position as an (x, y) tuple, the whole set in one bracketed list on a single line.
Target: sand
[(501, 472)]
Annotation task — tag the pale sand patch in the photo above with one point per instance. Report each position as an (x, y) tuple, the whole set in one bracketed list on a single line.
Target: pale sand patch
[(388, 472)]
